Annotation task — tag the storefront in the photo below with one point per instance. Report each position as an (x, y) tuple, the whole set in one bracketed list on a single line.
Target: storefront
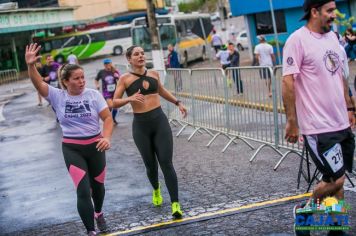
[(258, 17), (18, 26)]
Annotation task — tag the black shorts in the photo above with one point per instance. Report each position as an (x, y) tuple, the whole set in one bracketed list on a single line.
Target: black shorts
[(332, 153), (265, 73)]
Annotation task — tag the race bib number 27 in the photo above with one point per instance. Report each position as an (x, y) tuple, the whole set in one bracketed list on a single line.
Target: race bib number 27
[(334, 157)]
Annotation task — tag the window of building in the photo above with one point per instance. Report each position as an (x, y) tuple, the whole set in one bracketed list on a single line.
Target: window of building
[(34, 3), (264, 22)]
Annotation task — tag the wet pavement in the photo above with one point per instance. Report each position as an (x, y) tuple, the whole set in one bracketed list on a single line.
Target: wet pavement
[(38, 197)]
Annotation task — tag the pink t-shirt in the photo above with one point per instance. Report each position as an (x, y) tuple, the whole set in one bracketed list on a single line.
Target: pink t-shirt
[(315, 60)]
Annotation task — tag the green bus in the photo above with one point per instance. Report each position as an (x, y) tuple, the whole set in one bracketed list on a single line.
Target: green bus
[(87, 44)]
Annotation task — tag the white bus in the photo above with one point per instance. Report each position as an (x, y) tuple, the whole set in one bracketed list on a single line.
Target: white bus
[(176, 30), (87, 44)]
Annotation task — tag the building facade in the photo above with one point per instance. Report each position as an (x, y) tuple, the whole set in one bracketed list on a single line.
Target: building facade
[(106, 9), (353, 7), (33, 3), (258, 17), (17, 28)]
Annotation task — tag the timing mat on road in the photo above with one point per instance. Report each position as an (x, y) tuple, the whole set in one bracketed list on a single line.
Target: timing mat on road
[(210, 215)]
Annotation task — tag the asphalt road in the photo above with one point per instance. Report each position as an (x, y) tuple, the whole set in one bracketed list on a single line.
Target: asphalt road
[(38, 197)]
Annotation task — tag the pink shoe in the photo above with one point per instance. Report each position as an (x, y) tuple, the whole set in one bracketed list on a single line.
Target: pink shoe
[(101, 223)]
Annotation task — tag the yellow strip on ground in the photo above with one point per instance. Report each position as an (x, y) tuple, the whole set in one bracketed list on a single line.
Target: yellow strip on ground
[(254, 205)]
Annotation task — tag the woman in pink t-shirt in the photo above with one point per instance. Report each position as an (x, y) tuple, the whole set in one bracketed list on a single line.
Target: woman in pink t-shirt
[(79, 111)]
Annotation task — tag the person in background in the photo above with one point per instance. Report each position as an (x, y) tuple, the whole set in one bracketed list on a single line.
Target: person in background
[(216, 41), (173, 62), (350, 46), (109, 77), (265, 57), (232, 30), (223, 55), (72, 59), (172, 59), (234, 59), (49, 72)]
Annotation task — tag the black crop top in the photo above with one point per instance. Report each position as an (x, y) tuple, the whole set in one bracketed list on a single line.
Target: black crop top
[(146, 84)]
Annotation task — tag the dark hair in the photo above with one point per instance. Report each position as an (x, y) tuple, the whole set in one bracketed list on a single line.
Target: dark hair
[(65, 71), (230, 43), (130, 50), (48, 55), (318, 8), (349, 30)]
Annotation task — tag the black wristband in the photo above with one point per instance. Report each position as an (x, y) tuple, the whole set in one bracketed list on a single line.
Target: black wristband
[(177, 102), (351, 109)]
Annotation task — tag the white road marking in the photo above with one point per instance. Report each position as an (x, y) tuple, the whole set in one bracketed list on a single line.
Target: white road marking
[(2, 105), (350, 189)]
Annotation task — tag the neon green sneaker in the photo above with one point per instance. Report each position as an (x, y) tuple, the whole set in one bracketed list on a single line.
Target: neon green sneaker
[(176, 211), (157, 197)]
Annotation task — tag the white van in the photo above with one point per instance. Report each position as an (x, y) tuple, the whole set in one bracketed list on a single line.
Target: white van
[(242, 40)]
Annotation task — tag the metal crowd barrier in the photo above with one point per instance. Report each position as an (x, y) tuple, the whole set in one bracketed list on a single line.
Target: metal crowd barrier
[(162, 76), (178, 82), (235, 103), (252, 114), (9, 79), (292, 148), (209, 102)]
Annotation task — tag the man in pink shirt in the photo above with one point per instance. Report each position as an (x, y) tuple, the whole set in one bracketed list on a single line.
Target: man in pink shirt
[(316, 100)]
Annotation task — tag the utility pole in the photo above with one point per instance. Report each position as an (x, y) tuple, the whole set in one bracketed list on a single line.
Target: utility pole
[(157, 55), (175, 6), (275, 33), (221, 7)]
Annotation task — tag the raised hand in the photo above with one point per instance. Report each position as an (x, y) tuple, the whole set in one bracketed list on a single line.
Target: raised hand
[(137, 97), (31, 53)]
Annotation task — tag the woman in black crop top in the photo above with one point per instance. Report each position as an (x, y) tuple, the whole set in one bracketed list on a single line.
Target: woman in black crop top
[(150, 129)]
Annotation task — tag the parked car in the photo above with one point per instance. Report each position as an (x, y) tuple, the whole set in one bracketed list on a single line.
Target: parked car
[(242, 40), (215, 16)]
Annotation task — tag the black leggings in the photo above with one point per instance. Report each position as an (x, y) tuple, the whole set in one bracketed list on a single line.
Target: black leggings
[(153, 137), (86, 165)]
